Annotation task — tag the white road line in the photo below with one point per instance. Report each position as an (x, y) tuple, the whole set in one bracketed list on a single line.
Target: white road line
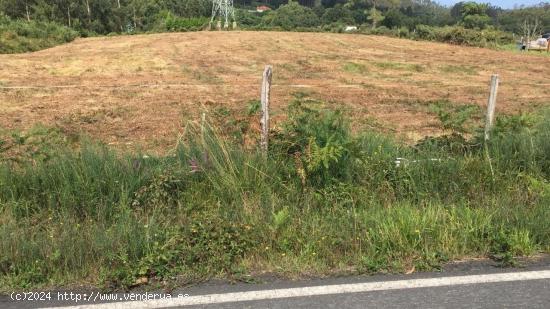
[(322, 290)]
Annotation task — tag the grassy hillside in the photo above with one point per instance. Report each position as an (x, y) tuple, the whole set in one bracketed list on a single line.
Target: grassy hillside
[(18, 36), (377, 161), (135, 91)]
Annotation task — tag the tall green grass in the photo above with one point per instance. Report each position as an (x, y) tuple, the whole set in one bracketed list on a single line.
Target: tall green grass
[(324, 200)]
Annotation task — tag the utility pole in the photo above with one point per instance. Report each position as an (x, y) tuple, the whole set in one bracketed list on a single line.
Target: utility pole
[(223, 9)]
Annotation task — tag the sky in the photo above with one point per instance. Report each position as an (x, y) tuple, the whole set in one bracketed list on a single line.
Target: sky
[(505, 4)]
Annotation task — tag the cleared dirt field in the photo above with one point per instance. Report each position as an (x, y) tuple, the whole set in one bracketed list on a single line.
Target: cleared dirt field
[(137, 91)]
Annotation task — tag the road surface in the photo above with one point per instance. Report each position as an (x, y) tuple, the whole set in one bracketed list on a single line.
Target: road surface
[(472, 287)]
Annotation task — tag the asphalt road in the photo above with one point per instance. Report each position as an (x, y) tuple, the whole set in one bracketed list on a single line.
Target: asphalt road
[(472, 285), (525, 294)]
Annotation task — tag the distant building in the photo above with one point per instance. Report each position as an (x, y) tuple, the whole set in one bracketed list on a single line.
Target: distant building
[(262, 8)]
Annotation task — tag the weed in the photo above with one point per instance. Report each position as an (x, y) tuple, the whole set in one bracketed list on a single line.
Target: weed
[(319, 140), (324, 200), (38, 144), (459, 69), (507, 245), (454, 117), (400, 66), (162, 189), (353, 67), (253, 107)]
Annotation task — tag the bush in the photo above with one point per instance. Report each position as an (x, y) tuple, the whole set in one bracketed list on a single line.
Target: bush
[(319, 141), (462, 36), (382, 30), (449, 34), (291, 16), (476, 21), (337, 14), (248, 19), (18, 36), (179, 24)]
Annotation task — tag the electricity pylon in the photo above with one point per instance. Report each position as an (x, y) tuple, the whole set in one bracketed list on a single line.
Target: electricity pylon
[(223, 9)]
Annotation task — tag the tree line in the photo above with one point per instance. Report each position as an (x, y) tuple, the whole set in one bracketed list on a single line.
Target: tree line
[(105, 16), (108, 16)]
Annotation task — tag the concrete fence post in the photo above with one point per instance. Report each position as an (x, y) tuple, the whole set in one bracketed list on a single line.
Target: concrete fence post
[(491, 104), (265, 96)]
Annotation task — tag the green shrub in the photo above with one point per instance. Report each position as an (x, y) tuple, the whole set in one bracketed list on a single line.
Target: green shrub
[(179, 24), (207, 245), (291, 16), (339, 14), (462, 36), (383, 30), (18, 36), (320, 142), (248, 19)]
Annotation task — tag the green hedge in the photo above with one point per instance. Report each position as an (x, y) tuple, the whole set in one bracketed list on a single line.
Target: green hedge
[(449, 34), (462, 36)]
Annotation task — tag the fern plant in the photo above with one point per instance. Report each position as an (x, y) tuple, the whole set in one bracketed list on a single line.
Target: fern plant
[(454, 118), (319, 141), (322, 157)]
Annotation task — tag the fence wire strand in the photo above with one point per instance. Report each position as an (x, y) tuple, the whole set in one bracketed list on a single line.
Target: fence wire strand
[(355, 85), (350, 86)]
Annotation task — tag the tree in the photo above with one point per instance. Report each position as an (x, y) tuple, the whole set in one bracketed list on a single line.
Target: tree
[(531, 28), (17, 8), (44, 11), (513, 20), (246, 18), (456, 11), (293, 15), (375, 17), (394, 18), (332, 3), (27, 10), (189, 8), (337, 14), (474, 15), (105, 16), (476, 21)]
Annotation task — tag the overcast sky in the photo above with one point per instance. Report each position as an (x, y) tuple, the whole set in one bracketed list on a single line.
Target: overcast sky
[(506, 4)]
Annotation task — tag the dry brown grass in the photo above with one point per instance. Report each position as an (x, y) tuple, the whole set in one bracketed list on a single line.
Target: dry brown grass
[(136, 90)]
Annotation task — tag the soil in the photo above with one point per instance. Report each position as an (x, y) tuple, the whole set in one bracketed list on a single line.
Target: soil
[(138, 91)]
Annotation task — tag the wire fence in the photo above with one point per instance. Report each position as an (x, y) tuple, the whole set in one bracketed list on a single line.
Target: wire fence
[(257, 83), (360, 87)]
